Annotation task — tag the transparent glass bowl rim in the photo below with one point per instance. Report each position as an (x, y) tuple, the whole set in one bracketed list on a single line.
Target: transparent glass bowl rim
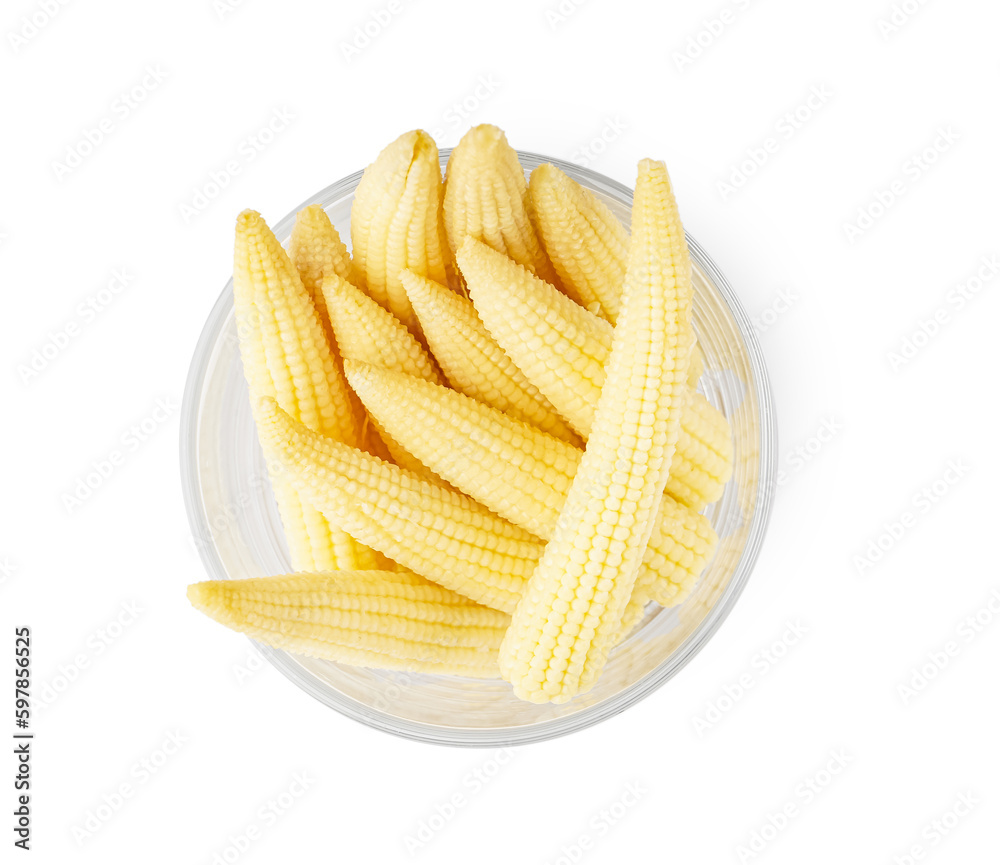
[(493, 737)]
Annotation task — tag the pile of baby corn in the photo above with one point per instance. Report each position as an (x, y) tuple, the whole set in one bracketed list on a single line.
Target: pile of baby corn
[(482, 425)]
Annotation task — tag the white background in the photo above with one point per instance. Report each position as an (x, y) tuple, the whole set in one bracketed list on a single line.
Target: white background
[(831, 312)]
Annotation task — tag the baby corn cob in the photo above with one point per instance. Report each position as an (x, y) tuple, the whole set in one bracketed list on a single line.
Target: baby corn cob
[(587, 244), (573, 606), (519, 472), (396, 221), (316, 249), (472, 361), (286, 355), (384, 619), (365, 331), (486, 197), (562, 349), (434, 531)]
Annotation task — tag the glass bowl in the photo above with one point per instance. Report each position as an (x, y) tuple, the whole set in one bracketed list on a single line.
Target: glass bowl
[(236, 528)]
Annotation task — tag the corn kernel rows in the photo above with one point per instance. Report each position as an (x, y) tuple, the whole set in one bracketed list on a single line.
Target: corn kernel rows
[(573, 607), (369, 618), (366, 331), (486, 197), (440, 534), (286, 355), (588, 246), (520, 472), (563, 349), (473, 363), (396, 222)]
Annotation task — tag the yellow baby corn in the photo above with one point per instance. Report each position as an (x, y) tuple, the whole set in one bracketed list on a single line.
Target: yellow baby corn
[(396, 221), (574, 603), (519, 472), (365, 331), (585, 241), (486, 197), (587, 244), (316, 249), (562, 349), (286, 355), (472, 361), (434, 531), (386, 619)]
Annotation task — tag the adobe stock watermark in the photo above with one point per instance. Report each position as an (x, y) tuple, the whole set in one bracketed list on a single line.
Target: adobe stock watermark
[(393, 690), (801, 456), (95, 134), (914, 168), (588, 153), (247, 668), (224, 519), (31, 25), (8, 569), (711, 30), (85, 313), (245, 154), (265, 818), (804, 794), (763, 661), (600, 825), (375, 24), (95, 646), (139, 774), (939, 828), (956, 299), (130, 442), (224, 8), (898, 16), (922, 503), (786, 127), (936, 661), (559, 13), (781, 303), (458, 116), (447, 809)]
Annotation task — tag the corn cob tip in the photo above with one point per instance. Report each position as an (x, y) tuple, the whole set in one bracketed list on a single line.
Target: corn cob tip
[(471, 246), (314, 213), (358, 372), (248, 222), (254, 237), (207, 597), (481, 264), (269, 407), (407, 147), (248, 215), (653, 169), (484, 135), (335, 289), (418, 287), (486, 197), (366, 378), (397, 221), (548, 173)]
